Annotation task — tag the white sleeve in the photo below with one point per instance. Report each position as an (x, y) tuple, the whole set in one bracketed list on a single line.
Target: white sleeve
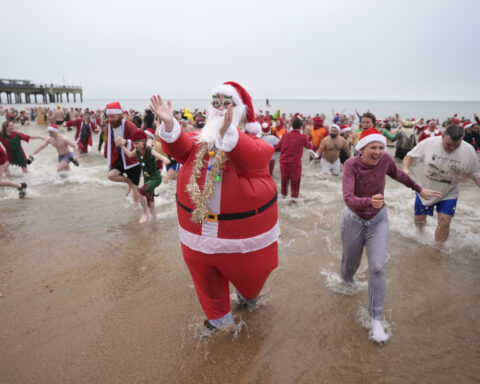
[(173, 135), (418, 152), (229, 141)]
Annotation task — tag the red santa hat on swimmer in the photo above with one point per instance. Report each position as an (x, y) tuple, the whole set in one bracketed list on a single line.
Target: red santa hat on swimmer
[(139, 135), (240, 97), (345, 128), (467, 125), (369, 136), (150, 132), (53, 128), (114, 109), (335, 126)]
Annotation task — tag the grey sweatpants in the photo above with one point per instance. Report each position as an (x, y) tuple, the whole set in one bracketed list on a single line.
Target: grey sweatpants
[(372, 234)]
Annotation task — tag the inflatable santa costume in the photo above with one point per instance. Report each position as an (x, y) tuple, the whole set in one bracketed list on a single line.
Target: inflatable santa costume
[(226, 203)]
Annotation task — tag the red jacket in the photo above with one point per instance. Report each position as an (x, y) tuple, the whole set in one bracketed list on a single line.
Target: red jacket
[(291, 147), (427, 133), (78, 124), (110, 150)]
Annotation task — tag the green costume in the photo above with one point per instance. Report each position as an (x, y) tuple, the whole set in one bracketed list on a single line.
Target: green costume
[(151, 174)]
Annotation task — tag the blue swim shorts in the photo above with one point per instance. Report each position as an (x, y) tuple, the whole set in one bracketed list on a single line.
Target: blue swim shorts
[(447, 207), (175, 166), (66, 157)]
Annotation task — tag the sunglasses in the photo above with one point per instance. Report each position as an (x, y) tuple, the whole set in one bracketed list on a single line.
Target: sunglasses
[(216, 103)]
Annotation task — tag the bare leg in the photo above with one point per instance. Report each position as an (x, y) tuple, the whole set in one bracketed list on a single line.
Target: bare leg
[(443, 230), (115, 175), (144, 202), (420, 222), (171, 175), (63, 166), (24, 170), (153, 210), (7, 183)]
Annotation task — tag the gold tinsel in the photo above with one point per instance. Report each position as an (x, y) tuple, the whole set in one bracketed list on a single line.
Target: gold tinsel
[(201, 198)]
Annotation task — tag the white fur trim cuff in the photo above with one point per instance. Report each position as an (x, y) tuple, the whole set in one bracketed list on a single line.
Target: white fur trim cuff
[(114, 112), (52, 129), (254, 128), (229, 141), (173, 135), (228, 90), (370, 139)]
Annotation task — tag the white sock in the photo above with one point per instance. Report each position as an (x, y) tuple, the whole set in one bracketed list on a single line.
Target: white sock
[(222, 322), (378, 333)]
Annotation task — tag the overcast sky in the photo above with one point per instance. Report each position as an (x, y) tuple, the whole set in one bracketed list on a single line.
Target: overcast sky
[(336, 49)]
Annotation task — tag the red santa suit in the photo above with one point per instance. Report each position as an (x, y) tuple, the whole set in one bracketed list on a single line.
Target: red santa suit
[(127, 129), (237, 241), (78, 123), (428, 133)]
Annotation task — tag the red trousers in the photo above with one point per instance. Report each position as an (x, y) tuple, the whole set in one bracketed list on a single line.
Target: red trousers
[(292, 174), (212, 272), (271, 166), (82, 146)]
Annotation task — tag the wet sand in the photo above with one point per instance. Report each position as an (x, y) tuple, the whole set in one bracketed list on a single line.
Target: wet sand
[(90, 296)]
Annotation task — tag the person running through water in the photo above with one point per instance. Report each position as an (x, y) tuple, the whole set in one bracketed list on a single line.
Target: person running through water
[(62, 144), (11, 140), (147, 157), (8, 183), (365, 221)]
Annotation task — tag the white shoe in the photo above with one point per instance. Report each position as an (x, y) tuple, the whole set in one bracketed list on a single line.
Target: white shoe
[(378, 333)]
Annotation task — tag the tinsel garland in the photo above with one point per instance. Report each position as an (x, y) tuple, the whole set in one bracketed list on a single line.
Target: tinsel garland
[(201, 198)]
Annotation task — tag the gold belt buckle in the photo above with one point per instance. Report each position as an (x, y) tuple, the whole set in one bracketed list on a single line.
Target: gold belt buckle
[(212, 217), (146, 174)]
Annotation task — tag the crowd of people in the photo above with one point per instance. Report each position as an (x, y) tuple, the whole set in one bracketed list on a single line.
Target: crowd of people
[(223, 159)]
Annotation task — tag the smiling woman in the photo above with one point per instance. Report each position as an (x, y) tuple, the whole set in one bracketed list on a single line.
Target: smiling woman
[(365, 221)]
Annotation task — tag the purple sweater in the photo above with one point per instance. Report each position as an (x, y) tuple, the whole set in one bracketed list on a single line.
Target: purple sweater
[(361, 182)]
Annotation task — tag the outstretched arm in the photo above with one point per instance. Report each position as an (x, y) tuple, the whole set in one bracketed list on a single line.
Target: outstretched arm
[(127, 151), (40, 147), (407, 162), (159, 156)]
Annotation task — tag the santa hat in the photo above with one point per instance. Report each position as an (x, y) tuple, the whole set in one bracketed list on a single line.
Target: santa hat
[(335, 126), (266, 128), (150, 132), (114, 109), (53, 128), (369, 136), (240, 97), (139, 135), (345, 128), (467, 125)]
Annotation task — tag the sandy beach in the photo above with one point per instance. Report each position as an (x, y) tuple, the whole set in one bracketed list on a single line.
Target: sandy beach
[(90, 296)]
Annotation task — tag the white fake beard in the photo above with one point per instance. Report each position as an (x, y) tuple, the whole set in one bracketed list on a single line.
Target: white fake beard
[(210, 132)]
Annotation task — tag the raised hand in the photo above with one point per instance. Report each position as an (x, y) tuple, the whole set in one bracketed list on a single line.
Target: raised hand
[(227, 120), (163, 112)]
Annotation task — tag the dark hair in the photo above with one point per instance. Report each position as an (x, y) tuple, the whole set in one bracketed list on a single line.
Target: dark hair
[(296, 123), (148, 118), (371, 116), (137, 120), (455, 132)]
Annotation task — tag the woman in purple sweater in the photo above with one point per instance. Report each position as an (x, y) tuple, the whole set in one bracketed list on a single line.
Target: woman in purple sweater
[(365, 221)]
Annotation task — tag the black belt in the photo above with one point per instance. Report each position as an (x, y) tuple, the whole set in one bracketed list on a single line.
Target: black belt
[(210, 216)]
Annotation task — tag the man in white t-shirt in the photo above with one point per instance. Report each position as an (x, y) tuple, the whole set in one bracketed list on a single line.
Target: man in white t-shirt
[(446, 159)]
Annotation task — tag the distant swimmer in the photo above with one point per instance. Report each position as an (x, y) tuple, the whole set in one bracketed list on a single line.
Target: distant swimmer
[(445, 160), (329, 151), (267, 103), (85, 128), (365, 221), (147, 157), (62, 144)]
